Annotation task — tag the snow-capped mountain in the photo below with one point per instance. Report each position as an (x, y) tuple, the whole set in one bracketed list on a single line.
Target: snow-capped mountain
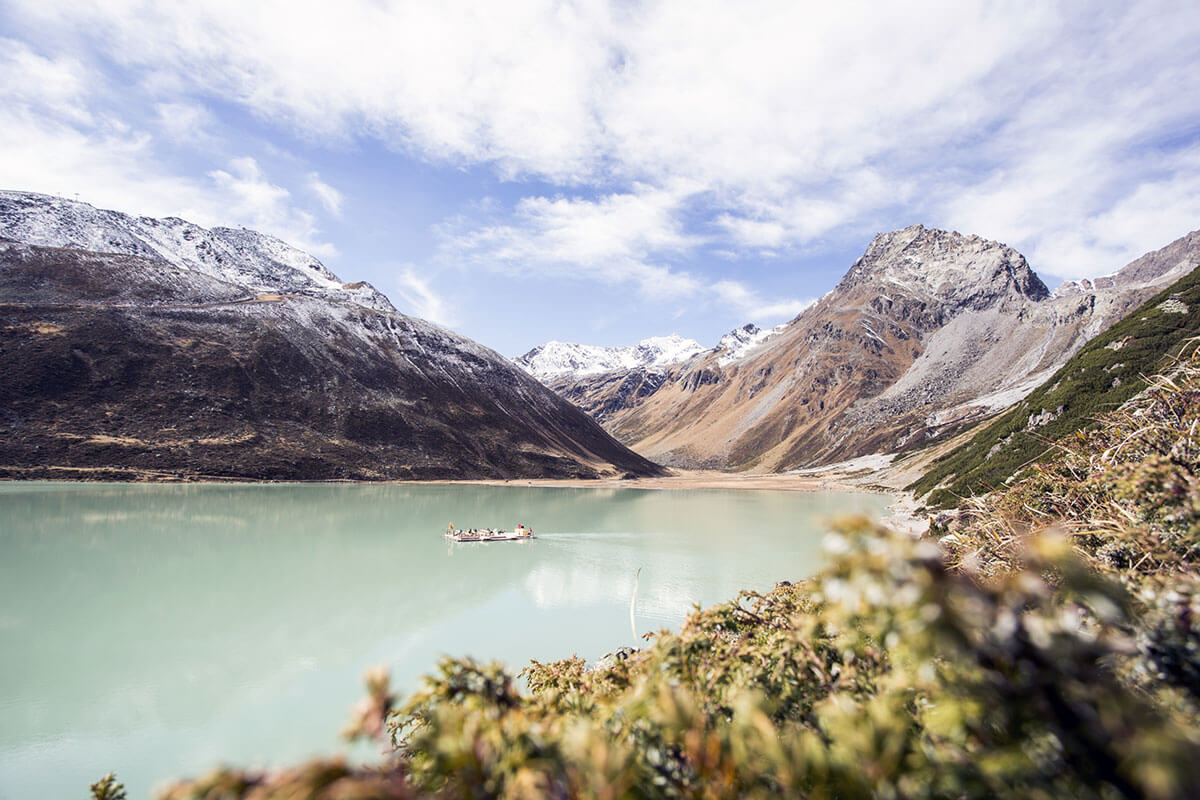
[(736, 344), (133, 347), (237, 256), (558, 360)]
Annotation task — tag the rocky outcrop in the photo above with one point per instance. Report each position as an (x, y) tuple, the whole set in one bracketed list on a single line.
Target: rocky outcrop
[(140, 348), (927, 332)]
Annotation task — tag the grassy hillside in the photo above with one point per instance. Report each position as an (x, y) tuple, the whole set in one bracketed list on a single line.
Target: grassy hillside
[(1105, 373)]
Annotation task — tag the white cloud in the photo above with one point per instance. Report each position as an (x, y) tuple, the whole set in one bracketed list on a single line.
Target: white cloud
[(104, 165), (330, 197), (614, 239), (186, 122), (55, 88), (59, 134), (750, 305), (1154, 214), (419, 299), (754, 97), (1023, 121), (267, 207)]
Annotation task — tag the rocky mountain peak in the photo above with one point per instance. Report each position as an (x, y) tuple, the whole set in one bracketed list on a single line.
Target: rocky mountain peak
[(738, 336), (955, 270), (928, 332)]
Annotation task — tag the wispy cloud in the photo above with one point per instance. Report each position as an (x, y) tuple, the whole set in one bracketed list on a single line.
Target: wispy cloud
[(54, 88), (418, 298), (753, 306), (186, 122), (60, 133), (330, 197), (266, 206)]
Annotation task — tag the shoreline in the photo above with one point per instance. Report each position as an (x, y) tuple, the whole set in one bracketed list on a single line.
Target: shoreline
[(901, 513), (681, 479)]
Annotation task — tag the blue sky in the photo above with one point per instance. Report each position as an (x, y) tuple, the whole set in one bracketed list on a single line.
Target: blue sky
[(603, 172)]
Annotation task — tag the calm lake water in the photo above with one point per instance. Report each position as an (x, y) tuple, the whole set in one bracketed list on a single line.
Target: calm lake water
[(159, 630)]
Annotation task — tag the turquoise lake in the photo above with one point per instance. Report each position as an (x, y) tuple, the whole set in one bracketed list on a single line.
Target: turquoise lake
[(161, 630)]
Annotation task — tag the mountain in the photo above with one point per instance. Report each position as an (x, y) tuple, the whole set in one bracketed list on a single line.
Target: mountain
[(139, 347), (928, 332), (736, 344), (1107, 372), (555, 361), (603, 392)]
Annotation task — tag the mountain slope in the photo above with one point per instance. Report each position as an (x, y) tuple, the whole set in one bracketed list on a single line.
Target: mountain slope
[(132, 347), (1107, 372), (929, 331)]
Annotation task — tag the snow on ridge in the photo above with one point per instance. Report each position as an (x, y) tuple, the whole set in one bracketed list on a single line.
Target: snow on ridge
[(736, 344), (241, 256), (556, 359), (258, 262)]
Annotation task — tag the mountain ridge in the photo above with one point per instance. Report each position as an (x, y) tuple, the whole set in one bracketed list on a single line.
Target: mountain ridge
[(556, 360), (927, 332)]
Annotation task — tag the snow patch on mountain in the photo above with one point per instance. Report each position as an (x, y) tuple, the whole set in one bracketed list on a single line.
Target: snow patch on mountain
[(238, 256), (738, 343), (555, 360)]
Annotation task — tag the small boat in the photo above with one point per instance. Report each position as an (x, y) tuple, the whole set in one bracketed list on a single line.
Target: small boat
[(488, 534)]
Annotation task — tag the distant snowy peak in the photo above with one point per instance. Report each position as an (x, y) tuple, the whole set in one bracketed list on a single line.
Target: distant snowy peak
[(555, 360), (243, 257), (661, 351), (740, 341)]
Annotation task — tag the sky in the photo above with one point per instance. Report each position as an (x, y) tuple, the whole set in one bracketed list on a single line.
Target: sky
[(602, 172)]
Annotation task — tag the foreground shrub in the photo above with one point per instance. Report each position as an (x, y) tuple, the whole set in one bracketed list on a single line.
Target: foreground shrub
[(889, 675)]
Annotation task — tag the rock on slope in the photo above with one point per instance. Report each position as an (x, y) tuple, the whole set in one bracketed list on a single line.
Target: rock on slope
[(135, 347), (928, 331)]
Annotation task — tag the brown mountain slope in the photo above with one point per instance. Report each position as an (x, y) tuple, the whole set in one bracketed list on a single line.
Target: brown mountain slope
[(928, 331)]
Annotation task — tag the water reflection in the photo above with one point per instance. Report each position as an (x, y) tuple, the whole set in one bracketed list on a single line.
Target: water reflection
[(157, 630)]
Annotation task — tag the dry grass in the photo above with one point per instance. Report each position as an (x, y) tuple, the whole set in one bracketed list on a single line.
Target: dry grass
[(1127, 491)]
